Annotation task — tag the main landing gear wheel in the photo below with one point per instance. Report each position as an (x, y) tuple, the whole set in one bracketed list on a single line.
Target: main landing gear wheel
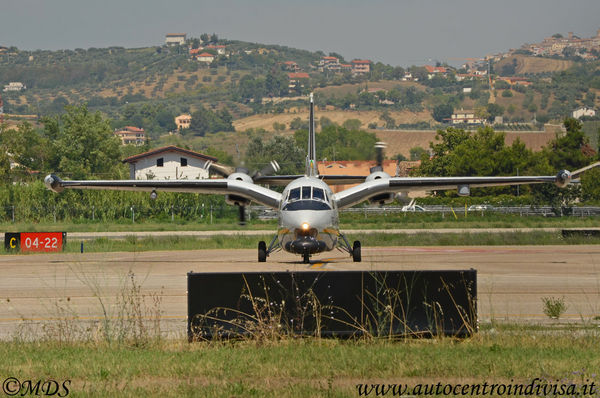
[(262, 252), (356, 256), (306, 258)]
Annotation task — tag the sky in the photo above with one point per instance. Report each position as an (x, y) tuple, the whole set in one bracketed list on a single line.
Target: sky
[(396, 32)]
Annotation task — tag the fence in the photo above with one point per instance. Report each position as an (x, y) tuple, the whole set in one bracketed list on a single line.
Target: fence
[(213, 213)]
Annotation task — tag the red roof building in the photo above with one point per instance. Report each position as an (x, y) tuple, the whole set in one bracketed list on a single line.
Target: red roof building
[(131, 135), (361, 66)]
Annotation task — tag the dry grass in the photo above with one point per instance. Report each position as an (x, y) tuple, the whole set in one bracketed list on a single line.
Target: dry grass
[(309, 367), (530, 64)]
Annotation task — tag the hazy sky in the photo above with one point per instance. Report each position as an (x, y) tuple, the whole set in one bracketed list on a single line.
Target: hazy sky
[(398, 32)]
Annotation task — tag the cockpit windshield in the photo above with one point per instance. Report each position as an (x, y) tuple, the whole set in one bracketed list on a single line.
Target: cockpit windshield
[(318, 194), (294, 194), (307, 193)]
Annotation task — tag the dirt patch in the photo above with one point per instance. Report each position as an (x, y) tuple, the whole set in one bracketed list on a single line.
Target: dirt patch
[(401, 141), (337, 116)]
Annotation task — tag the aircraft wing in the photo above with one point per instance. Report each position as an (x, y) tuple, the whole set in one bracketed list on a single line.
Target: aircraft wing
[(366, 190), (247, 190)]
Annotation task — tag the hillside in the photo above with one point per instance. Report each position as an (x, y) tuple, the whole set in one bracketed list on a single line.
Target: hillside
[(535, 65), (249, 83)]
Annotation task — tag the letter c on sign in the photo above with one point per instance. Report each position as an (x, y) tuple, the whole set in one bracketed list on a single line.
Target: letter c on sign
[(12, 243)]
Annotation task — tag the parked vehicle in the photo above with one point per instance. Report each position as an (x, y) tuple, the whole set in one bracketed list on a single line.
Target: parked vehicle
[(414, 208), (480, 208)]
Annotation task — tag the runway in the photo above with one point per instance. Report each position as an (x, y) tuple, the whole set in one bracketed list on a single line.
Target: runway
[(512, 280)]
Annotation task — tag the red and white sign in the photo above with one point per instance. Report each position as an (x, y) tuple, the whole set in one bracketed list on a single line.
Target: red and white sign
[(41, 241)]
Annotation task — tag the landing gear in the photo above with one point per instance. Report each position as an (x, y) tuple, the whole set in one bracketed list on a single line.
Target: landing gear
[(262, 252), (356, 255), (353, 250), (306, 258)]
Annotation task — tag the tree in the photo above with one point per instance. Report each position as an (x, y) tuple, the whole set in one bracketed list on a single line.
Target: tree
[(297, 124), (205, 121), (400, 157), (416, 153), (494, 110), (338, 143), (281, 149), (83, 144), (278, 126), (27, 147), (441, 112), (324, 121), (390, 123), (352, 124)]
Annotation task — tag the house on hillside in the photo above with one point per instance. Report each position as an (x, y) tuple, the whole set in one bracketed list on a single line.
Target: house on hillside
[(436, 71), (207, 58), (297, 80), (584, 111), (169, 163), (131, 135), (175, 39), (183, 121), (361, 66), (466, 117), (14, 86), (291, 66), (329, 63), (515, 81), (220, 49)]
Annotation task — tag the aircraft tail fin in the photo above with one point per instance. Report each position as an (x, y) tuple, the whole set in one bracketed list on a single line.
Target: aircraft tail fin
[(311, 157)]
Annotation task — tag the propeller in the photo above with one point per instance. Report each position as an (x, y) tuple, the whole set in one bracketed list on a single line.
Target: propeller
[(243, 174), (379, 149), (270, 169), (242, 215)]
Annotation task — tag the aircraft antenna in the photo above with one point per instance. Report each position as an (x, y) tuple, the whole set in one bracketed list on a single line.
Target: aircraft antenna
[(311, 158)]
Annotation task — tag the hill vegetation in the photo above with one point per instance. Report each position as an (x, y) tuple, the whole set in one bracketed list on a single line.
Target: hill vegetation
[(148, 87)]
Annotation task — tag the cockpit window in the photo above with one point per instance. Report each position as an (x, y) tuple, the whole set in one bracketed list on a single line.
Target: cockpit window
[(318, 194), (294, 194), (305, 193)]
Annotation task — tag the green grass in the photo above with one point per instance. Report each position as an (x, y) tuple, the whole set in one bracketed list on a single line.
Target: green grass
[(307, 367), (347, 221), (132, 244)]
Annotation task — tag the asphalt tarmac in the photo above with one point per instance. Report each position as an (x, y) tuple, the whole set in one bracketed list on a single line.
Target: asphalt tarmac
[(41, 293)]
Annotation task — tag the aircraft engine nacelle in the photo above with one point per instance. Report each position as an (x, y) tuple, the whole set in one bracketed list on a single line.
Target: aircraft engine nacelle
[(383, 198), (377, 175), (235, 199), (563, 178)]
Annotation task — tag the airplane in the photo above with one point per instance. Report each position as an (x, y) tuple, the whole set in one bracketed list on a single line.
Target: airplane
[(308, 210)]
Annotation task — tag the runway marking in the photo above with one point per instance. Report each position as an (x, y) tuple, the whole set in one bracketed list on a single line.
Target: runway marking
[(323, 262)]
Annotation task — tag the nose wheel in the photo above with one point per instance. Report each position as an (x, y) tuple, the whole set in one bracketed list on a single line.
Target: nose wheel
[(262, 252), (306, 258), (356, 254)]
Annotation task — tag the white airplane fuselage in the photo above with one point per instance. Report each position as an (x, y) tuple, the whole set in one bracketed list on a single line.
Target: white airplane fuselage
[(308, 217)]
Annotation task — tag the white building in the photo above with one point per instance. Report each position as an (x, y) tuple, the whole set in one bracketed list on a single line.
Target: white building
[(466, 117), (579, 113), (205, 57), (175, 38), (14, 86), (168, 163)]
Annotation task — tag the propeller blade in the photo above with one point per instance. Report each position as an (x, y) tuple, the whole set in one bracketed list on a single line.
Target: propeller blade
[(379, 147), (219, 169), (268, 170), (242, 213)]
